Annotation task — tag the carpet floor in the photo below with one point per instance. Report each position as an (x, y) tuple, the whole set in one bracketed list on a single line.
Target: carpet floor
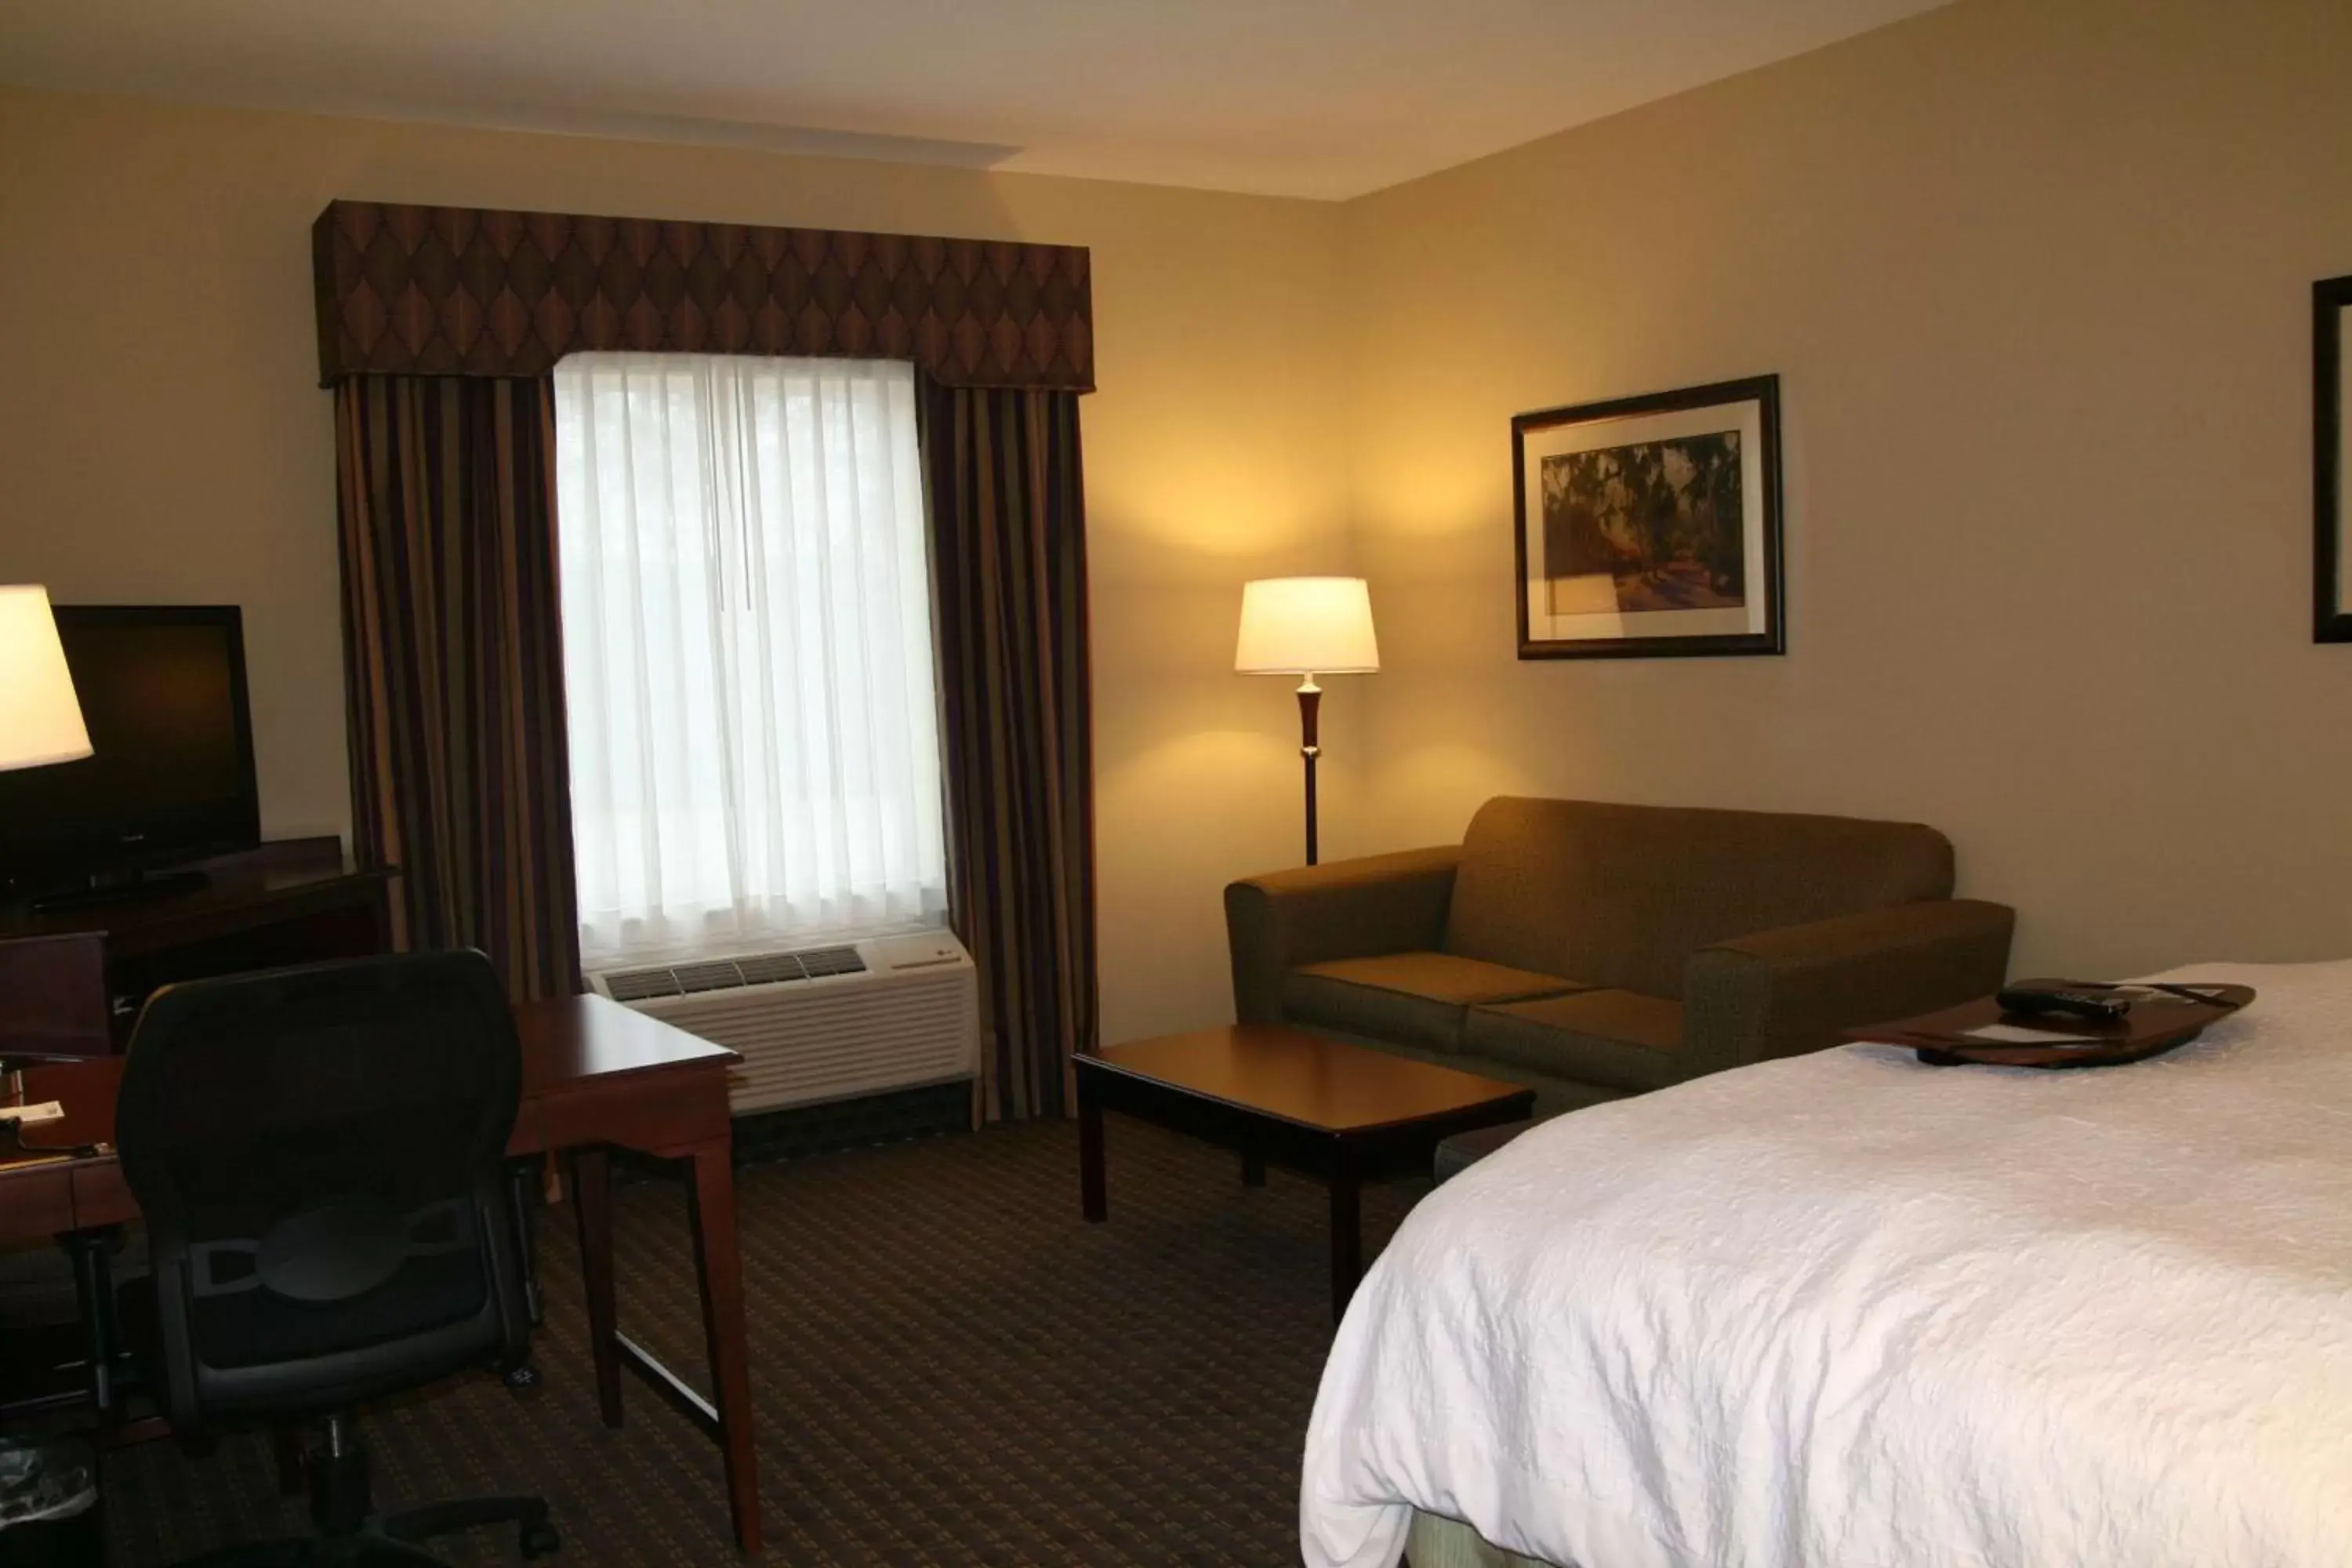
[(948, 1366)]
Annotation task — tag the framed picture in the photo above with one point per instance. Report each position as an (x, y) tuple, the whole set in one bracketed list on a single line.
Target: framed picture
[(1651, 526), (2331, 440)]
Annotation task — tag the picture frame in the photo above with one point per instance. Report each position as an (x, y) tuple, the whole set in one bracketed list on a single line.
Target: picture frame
[(2331, 433), (1650, 527)]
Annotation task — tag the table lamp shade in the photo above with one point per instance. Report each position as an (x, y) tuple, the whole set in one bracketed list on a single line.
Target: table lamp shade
[(1306, 626), (40, 722)]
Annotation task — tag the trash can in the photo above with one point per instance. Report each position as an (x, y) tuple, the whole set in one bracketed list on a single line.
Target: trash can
[(49, 1516)]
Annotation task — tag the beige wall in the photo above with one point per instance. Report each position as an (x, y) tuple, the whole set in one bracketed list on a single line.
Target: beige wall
[(163, 437), (2034, 274)]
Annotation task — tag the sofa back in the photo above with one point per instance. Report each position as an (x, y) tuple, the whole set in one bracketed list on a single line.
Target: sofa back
[(1622, 895)]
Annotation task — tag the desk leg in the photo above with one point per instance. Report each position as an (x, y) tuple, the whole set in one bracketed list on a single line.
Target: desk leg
[(592, 1184), (94, 1295), (720, 1263)]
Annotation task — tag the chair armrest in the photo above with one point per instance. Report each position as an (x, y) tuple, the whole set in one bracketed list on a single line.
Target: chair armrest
[(1779, 992), (1348, 909)]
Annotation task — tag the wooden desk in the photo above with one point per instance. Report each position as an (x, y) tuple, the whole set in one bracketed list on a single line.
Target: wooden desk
[(595, 1077)]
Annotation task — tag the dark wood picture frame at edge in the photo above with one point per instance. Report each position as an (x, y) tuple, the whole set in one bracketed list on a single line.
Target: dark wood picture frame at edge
[(2331, 299), (1762, 390)]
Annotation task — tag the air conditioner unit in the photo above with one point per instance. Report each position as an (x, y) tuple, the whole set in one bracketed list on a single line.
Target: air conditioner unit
[(822, 1023)]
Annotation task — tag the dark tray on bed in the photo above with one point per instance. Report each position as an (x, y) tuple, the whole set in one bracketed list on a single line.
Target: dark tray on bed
[(2156, 1024)]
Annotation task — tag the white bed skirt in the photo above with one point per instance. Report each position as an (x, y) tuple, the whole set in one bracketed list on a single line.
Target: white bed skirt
[(1438, 1542)]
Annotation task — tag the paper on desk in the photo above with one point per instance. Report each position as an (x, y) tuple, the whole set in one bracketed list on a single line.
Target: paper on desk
[(47, 1110), (2012, 1034)]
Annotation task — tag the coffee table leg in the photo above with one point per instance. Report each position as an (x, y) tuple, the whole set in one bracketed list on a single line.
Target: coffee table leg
[(1346, 1227), (1090, 1154)]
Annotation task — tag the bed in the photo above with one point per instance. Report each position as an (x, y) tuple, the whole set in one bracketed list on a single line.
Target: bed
[(1846, 1310)]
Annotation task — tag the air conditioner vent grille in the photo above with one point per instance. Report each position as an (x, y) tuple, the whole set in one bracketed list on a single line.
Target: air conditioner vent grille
[(732, 974), (772, 968), (639, 984), (721, 975)]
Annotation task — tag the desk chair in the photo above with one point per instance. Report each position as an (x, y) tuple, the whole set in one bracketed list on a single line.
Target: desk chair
[(316, 1154)]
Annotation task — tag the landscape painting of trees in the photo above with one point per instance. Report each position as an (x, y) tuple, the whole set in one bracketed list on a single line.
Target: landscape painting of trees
[(1661, 519), (1649, 527)]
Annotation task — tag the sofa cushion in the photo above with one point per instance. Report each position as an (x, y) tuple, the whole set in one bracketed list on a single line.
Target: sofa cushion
[(1415, 997), (1620, 1039), (1622, 895)]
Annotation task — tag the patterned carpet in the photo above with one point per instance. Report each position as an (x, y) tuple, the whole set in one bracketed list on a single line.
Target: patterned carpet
[(950, 1367)]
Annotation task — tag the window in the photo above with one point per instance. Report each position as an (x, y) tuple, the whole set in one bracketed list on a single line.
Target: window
[(746, 649)]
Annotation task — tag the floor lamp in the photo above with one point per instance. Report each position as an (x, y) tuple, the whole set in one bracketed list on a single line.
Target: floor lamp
[(1306, 627), (40, 720)]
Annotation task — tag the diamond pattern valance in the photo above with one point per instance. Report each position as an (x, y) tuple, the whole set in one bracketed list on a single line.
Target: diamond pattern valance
[(464, 291)]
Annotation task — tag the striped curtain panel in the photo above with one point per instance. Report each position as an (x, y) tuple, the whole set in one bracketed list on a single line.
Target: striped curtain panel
[(1008, 551), (453, 666)]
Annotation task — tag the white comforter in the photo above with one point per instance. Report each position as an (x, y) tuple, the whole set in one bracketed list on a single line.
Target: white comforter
[(1847, 1311)]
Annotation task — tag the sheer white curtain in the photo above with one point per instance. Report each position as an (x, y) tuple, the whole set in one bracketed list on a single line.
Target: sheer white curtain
[(746, 649)]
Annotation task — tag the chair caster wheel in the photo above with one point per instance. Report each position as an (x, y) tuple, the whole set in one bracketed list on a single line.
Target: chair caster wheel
[(539, 1541)]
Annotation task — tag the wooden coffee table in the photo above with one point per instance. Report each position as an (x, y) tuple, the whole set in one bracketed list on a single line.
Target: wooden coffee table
[(1338, 1111)]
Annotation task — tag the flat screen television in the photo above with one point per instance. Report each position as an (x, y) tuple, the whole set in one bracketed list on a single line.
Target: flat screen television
[(170, 774)]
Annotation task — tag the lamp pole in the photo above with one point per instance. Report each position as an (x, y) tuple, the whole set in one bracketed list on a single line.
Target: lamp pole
[(1310, 702)]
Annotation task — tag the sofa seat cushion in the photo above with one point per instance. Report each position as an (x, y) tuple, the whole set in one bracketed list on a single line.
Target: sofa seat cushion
[(1418, 998), (1621, 1038)]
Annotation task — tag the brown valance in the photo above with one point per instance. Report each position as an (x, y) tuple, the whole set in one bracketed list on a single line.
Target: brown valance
[(464, 291)]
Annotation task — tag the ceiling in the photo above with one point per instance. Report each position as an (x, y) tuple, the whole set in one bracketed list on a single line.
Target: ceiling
[(1307, 97)]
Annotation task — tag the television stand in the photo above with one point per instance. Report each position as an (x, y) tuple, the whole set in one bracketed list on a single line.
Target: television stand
[(73, 979), (138, 885)]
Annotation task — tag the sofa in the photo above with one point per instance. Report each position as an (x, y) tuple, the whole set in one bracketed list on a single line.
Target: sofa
[(1593, 950)]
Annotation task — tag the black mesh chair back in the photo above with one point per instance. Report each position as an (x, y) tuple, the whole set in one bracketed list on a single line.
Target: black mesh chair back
[(317, 1155)]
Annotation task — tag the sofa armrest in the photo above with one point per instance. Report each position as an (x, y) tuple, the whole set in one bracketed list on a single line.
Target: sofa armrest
[(1779, 992), (1348, 909)]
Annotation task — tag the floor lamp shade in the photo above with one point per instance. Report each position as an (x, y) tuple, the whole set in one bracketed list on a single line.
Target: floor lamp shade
[(40, 722), (1307, 627)]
